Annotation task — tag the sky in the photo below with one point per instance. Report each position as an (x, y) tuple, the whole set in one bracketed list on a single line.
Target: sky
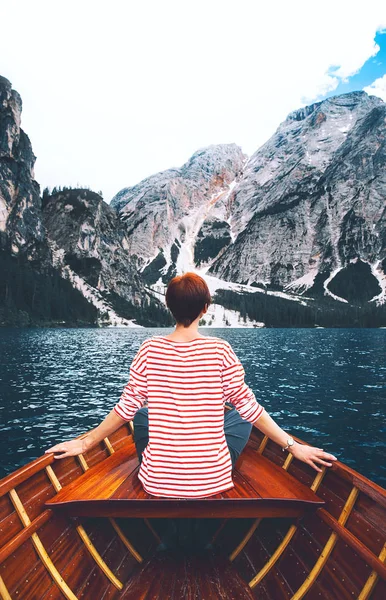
[(116, 91)]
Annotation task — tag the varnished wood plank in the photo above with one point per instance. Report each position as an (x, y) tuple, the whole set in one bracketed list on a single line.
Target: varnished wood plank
[(380, 591), (262, 488), (333, 578), (34, 492), (165, 507), (6, 507), (126, 542), (124, 571), (23, 535), (114, 523), (368, 523), (34, 585), (86, 539), (333, 503), (355, 544), (271, 481), (368, 487), (274, 558), (372, 579), (9, 527), (14, 479), (263, 444), (109, 445), (344, 472), (98, 558), (245, 540), (66, 470), (131, 487), (172, 576), (24, 555), (327, 549), (243, 486), (44, 556), (229, 583), (20, 475), (308, 551), (65, 553), (121, 436), (101, 480), (142, 578), (76, 564), (259, 551), (4, 591), (102, 565), (96, 587)]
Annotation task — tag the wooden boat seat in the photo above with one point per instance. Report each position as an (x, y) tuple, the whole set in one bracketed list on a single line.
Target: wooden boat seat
[(112, 489)]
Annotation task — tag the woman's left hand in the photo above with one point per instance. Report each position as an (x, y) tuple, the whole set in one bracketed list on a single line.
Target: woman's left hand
[(311, 455), (71, 448)]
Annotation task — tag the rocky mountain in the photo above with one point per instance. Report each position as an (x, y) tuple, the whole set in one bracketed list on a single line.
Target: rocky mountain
[(21, 228), (31, 291), (89, 248), (305, 214), (312, 201), (294, 235), (63, 258), (181, 216)]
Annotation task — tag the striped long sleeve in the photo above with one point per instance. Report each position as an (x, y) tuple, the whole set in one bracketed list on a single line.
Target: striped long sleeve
[(135, 392), (235, 389), (186, 384)]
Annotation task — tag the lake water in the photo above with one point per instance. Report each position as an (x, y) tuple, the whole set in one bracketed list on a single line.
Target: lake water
[(326, 386)]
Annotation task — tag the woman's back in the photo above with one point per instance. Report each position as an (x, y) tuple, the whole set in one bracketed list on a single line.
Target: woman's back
[(186, 385), (185, 443)]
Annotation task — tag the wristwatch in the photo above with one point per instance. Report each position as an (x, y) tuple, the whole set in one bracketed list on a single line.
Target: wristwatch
[(290, 443)]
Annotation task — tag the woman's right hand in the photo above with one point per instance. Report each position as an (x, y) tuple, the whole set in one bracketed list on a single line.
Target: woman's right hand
[(311, 455), (70, 448)]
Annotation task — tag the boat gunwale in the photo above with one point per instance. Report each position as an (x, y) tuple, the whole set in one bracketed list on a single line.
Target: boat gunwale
[(363, 483)]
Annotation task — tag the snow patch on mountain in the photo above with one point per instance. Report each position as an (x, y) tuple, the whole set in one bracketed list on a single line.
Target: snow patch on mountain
[(327, 281), (376, 269), (107, 316), (303, 283), (216, 316)]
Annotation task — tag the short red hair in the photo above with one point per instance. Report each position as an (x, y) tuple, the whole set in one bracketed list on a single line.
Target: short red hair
[(186, 296)]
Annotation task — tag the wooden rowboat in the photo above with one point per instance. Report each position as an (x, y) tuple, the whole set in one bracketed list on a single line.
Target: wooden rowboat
[(83, 527)]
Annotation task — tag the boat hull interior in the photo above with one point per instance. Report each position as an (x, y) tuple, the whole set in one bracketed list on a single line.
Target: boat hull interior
[(335, 549)]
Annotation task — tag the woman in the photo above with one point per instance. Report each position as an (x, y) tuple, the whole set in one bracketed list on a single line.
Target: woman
[(186, 445)]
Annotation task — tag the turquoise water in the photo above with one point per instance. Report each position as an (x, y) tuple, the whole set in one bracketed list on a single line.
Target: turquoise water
[(326, 386)]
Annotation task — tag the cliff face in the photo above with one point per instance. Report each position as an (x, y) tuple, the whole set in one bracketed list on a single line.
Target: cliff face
[(312, 199), (306, 213), (89, 248), (65, 260), (167, 214), (303, 218), (21, 228)]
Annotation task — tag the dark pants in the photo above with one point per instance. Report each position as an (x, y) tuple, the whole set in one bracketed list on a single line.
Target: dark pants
[(237, 432)]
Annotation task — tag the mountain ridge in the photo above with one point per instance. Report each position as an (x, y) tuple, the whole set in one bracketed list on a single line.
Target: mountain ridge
[(301, 224)]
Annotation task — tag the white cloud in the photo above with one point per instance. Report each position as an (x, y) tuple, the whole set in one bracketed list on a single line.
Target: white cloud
[(377, 88), (115, 91)]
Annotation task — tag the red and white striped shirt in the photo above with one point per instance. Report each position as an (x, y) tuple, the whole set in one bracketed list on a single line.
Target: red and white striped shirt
[(186, 385)]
